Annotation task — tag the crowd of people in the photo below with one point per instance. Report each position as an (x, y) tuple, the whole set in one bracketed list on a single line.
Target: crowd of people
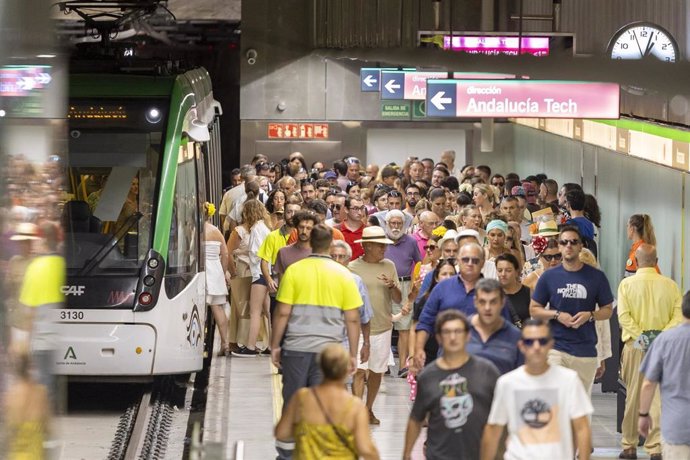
[(485, 287)]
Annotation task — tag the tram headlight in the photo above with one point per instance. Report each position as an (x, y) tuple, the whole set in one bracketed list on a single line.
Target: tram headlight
[(153, 115), (145, 298)]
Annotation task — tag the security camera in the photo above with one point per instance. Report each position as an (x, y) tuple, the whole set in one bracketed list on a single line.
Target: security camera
[(75, 134), (251, 56)]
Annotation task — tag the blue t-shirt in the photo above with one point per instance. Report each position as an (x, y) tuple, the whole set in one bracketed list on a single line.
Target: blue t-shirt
[(667, 362), (501, 348), (449, 293), (573, 292)]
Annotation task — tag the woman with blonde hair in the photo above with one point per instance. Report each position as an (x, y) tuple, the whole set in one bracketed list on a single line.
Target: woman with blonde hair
[(327, 421), (216, 266), (484, 198), (640, 231), (256, 225)]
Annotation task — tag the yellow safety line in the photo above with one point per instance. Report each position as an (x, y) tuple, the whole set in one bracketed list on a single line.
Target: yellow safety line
[(277, 389)]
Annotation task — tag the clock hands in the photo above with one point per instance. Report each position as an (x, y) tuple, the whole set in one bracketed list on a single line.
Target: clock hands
[(637, 40), (650, 45)]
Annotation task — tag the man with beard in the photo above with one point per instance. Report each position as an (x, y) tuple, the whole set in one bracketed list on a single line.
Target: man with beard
[(412, 195), (405, 254), (303, 222)]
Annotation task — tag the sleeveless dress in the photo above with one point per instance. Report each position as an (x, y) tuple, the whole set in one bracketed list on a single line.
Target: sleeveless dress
[(318, 441), (216, 290)]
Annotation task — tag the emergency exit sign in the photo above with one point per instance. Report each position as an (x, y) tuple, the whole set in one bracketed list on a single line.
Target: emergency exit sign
[(395, 110)]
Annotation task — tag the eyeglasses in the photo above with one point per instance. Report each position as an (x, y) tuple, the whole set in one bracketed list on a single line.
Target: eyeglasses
[(550, 257), (413, 194), (357, 208), (543, 341), (449, 332), (430, 247), (473, 260), (569, 242)]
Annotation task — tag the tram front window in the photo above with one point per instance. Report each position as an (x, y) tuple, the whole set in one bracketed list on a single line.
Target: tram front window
[(107, 215)]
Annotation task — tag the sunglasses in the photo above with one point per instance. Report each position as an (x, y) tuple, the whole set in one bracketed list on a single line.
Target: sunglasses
[(550, 257), (543, 341), (430, 247), (569, 242), (394, 194), (336, 207), (473, 260), (352, 161), (451, 260)]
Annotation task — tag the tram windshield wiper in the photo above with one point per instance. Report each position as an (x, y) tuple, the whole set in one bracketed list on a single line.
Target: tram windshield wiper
[(110, 244)]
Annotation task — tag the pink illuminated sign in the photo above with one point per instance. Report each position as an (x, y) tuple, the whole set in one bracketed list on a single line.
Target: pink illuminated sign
[(543, 99), (415, 84), (489, 44)]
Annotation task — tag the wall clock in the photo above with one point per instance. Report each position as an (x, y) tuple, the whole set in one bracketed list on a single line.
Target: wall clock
[(640, 40)]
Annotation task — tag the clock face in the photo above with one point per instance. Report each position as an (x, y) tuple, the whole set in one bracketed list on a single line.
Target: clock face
[(642, 40)]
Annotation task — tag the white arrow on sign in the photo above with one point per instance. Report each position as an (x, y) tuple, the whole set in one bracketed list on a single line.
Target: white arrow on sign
[(438, 100), (370, 80), (43, 78), (391, 86)]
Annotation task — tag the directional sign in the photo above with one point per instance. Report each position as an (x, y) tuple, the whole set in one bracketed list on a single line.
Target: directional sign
[(522, 98), (392, 84), (370, 80), (440, 98)]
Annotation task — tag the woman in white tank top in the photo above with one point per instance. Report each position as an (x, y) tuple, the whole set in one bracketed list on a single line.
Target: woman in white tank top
[(216, 265)]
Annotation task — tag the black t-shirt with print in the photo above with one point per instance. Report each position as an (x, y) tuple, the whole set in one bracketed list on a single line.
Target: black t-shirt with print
[(458, 402)]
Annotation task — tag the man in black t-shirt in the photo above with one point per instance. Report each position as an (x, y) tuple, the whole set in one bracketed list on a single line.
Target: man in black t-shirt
[(455, 391)]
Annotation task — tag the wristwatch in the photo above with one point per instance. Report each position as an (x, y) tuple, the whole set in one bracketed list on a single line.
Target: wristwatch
[(555, 317), (591, 317)]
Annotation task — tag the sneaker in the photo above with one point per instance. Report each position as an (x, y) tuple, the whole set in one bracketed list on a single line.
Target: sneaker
[(265, 352), (245, 352), (402, 373), (372, 418)]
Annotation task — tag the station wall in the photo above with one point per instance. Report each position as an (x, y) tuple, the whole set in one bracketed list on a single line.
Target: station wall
[(623, 186)]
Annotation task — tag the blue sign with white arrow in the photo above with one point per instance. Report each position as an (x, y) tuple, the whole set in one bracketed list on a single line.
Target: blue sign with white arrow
[(392, 84), (370, 80), (440, 98)]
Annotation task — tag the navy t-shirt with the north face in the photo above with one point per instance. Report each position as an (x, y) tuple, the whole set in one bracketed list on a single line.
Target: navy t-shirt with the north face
[(573, 292)]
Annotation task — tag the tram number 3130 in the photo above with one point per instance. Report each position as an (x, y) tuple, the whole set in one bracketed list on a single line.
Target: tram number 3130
[(76, 315)]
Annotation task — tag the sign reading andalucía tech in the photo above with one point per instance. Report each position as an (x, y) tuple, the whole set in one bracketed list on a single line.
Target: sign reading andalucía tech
[(522, 98)]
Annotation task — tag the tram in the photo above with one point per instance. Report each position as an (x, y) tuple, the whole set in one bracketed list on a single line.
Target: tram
[(143, 157)]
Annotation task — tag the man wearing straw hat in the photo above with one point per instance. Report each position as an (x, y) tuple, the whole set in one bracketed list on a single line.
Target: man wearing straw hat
[(381, 278)]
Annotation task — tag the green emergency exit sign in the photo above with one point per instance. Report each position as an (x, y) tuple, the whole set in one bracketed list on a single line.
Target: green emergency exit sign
[(395, 110)]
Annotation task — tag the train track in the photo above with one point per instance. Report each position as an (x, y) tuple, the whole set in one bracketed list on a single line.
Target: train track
[(143, 429)]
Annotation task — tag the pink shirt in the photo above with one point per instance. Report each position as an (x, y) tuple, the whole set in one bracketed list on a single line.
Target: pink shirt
[(421, 242)]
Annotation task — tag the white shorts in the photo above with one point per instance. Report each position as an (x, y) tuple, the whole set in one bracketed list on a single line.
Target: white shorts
[(379, 351)]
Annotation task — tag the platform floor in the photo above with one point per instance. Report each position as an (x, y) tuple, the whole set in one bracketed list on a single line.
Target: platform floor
[(244, 401)]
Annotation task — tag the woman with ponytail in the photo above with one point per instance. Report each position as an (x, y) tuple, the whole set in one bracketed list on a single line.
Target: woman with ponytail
[(640, 231)]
